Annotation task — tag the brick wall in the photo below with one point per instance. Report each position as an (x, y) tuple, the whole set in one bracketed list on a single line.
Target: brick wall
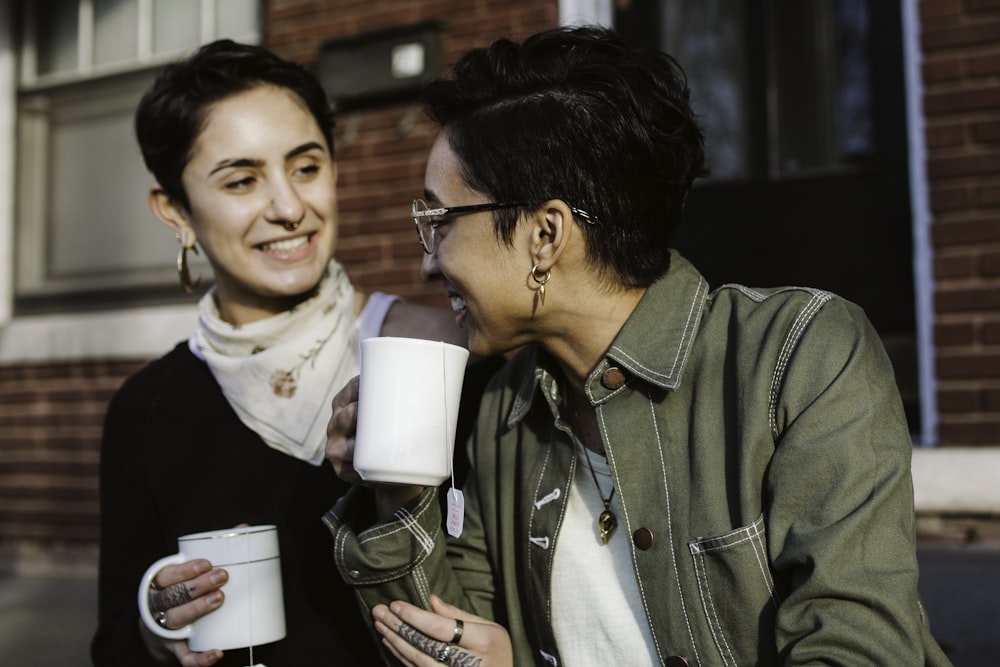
[(961, 72), (50, 427), (381, 153)]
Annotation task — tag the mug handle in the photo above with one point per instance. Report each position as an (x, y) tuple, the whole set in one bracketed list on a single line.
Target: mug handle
[(145, 613)]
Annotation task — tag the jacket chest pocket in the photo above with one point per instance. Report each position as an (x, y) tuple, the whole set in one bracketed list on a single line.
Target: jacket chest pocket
[(737, 594)]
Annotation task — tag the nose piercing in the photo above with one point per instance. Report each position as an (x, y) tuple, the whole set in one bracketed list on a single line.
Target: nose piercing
[(291, 226)]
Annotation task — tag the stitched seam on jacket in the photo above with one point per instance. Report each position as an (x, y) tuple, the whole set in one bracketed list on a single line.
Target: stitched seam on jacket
[(752, 534), (791, 342), (423, 538), (708, 606), (670, 529), (683, 349)]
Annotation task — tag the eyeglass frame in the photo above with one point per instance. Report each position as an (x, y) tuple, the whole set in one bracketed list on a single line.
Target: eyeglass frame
[(443, 211)]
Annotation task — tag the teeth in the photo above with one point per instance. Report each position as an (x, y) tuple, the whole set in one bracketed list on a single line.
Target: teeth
[(286, 245), (458, 304)]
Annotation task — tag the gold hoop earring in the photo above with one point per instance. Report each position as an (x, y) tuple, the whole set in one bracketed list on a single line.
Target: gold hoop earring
[(541, 282), (183, 272)]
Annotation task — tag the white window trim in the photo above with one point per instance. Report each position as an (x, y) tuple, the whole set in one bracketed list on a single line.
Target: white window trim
[(139, 333), (921, 219), (8, 95)]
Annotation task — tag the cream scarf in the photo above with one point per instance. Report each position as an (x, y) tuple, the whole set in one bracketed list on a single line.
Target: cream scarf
[(280, 374)]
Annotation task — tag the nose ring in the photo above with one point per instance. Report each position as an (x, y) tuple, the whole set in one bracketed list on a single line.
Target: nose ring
[(291, 226)]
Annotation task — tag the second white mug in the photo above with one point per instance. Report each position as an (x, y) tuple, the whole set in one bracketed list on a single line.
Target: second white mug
[(253, 611), (409, 395)]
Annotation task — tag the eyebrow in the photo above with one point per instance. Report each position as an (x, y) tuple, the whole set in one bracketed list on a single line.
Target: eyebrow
[(254, 162)]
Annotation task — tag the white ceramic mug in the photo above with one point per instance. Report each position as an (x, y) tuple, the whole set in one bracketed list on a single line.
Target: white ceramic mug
[(409, 394), (253, 611)]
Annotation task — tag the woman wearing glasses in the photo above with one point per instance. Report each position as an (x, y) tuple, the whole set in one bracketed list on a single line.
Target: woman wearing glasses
[(229, 428), (665, 473)]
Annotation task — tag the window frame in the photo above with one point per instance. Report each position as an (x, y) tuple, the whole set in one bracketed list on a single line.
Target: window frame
[(106, 93)]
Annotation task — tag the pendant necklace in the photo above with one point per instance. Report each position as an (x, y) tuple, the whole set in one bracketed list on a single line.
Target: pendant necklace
[(607, 522)]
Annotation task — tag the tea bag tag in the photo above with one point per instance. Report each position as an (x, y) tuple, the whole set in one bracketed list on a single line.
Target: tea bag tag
[(456, 512)]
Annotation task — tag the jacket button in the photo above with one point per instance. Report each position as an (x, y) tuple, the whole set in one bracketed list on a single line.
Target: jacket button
[(676, 661), (643, 539), (613, 378)]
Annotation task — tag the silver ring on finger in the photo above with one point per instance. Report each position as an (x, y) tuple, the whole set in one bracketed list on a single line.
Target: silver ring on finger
[(459, 629), (442, 655), (161, 619)]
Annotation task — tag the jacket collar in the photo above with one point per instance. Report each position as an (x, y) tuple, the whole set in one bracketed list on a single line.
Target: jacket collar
[(672, 308)]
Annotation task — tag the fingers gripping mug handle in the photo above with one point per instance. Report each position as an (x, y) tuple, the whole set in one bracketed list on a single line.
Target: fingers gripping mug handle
[(145, 613)]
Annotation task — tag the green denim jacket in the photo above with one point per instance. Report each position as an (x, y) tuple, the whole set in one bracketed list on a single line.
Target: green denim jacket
[(762, 461)]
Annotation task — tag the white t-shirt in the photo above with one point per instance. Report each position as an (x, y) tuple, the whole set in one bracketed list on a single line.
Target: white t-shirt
[(597, 614)]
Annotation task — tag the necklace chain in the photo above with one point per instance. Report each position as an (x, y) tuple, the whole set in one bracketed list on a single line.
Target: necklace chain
[(607, 521)]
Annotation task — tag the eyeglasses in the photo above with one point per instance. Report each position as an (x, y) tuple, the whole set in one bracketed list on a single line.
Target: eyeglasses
[(427, 219)]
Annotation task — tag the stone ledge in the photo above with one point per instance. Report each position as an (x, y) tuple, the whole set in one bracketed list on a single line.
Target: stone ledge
[(957, 481)]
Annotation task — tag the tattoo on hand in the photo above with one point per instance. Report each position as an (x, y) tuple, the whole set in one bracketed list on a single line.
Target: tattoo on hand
[(418, 639), (458, 657), (461, 658), (169, 597)]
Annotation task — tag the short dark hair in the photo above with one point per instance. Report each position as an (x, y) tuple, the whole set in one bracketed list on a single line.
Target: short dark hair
[(173, 111), (574, 114)]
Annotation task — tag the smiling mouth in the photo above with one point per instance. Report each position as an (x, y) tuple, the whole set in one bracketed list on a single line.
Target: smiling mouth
[(286, 245)]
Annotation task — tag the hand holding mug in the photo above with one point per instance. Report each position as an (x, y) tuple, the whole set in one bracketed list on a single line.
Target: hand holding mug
[(340, 444), (179, 595), (393, 427), (340, 432), (254, 610), (409, 394)]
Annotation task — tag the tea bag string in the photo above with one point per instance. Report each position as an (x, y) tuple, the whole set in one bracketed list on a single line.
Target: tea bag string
[(246, 542), (456, 501), (449, 455)]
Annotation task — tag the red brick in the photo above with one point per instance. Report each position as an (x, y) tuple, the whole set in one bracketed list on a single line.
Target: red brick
[(991, 399), (970, 299), (968, 366), (986, 131), (957, 334), (966, 231), (982, 164), (945, 135), (984, 65), (938, 9), (954, 266), (959, 400), (986, 196), (949, 199), (948, 35), (991, 332), (990, 264), (982, 5), (984, 432), (943, 69), (969, 98)]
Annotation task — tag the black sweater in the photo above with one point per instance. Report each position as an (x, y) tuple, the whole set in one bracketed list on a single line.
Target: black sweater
[(175, 459)]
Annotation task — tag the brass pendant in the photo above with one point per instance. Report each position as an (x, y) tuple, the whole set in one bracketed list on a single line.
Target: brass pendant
[(606, 524)]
